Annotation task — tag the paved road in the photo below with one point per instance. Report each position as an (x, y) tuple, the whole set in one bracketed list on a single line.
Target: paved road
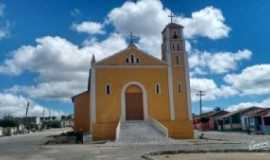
[(22, 146), (29, 147)]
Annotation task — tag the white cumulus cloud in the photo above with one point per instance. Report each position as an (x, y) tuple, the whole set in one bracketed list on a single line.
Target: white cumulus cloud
[(219, 62), (62, 67), (147, 18), (253, 80), (263, 104), (211, 89), (14, 105), (88, 27), (208, 22)]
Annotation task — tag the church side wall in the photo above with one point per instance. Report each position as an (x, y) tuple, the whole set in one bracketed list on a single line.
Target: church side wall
[(180, 98), (108, 107), (182, 126), (81, 113)]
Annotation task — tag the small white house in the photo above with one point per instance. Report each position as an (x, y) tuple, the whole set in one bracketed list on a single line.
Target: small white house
[(246, 120)]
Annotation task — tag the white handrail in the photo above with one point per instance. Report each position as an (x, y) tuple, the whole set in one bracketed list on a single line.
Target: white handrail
[(118, 131), (160, 127)]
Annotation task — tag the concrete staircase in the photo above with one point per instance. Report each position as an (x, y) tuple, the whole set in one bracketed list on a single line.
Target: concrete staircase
[(139, 132)]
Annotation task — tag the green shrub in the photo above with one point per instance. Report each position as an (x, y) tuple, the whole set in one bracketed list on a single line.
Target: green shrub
[(9, 122)]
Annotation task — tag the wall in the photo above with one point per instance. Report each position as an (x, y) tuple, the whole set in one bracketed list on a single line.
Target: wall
[(205, 126), (108, 107), (81, 112), (179, 129), (243, 122), (233, 127)]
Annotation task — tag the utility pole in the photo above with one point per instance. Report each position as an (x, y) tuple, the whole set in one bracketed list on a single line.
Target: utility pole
[(27, 109), (43, 113), (26, 122), (201, 94), (50, 113)]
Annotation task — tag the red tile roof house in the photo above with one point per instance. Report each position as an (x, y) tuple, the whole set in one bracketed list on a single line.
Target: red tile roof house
[(234, 121), (258, 121), (207, 121)]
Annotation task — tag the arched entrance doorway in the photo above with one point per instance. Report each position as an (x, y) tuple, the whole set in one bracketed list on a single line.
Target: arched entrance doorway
[(127, 88), (134, 103)]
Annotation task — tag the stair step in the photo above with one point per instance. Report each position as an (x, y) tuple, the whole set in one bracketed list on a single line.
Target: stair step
[(139, 132)]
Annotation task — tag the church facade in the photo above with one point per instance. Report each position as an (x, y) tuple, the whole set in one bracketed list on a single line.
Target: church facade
[(133, 85)]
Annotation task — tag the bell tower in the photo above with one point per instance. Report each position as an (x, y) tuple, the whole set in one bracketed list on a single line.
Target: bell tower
[(174, 54)]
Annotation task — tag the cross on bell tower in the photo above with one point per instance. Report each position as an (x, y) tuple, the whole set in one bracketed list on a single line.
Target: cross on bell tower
[(171, 16)]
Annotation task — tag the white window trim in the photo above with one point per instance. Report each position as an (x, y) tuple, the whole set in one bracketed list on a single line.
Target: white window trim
[(93, 97)]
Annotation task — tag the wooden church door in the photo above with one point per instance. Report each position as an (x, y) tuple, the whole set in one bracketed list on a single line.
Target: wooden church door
[(134, 103)]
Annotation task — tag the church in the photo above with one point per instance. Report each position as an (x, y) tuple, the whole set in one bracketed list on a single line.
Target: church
[(132, 85)]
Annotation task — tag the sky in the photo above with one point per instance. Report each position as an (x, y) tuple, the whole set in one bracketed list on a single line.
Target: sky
[(46, 47)]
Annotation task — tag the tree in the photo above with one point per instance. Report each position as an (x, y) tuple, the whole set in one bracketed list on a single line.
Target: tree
[(9, 122), (217, 109)]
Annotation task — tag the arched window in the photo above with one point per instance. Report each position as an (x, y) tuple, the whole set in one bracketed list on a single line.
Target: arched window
[(175, 36), (108, 89), (127, 60), (157, 88), (178, 47), (132, 59), (137, 60)]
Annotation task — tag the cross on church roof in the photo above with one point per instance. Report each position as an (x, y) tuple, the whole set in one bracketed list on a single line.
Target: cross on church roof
[(171, 16), (131, 38)]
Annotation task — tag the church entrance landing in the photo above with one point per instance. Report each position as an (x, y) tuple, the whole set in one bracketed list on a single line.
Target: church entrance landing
[(134, 103)]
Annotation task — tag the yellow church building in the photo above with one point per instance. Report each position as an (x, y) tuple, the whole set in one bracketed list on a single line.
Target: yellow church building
[(132, 85)]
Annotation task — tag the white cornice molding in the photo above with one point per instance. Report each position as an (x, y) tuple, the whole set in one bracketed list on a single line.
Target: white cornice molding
[(170, 78), (93, 95), (131, 66)]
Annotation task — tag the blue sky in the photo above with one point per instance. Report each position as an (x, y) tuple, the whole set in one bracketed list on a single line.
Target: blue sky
[(45, 48)]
